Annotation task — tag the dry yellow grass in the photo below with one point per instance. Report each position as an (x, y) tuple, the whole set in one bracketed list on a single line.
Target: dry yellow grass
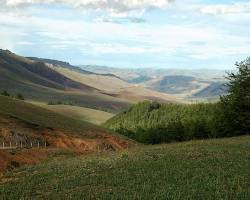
[(116, 87)]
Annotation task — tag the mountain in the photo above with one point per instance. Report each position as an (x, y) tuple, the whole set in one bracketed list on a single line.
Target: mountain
[(107, 83), (47, 80), (182, 83), (175, 84), (37, 81), (213, 90)]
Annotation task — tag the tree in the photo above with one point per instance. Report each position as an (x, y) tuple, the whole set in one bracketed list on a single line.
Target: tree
[(20, 96), (5, 93), (236, 105)]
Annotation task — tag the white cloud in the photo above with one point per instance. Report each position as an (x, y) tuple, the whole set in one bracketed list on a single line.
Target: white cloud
[(25, 43), (222, 9), (117, 6)]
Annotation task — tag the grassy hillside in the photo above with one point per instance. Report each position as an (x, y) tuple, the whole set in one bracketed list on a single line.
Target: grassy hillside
[(175, 84), (213, 90), (24, 124), (211, 169), (101, 82), (80, 113), (36, 81), (113, 86), (39, 116), (182, 83)]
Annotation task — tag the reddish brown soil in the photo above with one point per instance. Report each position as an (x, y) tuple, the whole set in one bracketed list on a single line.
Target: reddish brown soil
[(14, 130), (15, 158)]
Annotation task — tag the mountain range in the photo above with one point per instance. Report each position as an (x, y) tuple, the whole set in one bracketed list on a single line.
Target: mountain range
[(185, 84)]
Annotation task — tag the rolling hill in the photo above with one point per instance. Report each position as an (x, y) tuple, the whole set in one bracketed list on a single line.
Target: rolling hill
[(36, 81), (198, 84), (22, 122), (108, 83), (80, 113), (212, 91)]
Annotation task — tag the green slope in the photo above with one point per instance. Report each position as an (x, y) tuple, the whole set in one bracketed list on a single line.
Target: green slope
[(211, 169), (85, 114), (38, 116)]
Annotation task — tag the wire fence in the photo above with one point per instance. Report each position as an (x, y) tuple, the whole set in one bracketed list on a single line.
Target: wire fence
[(5, 145)]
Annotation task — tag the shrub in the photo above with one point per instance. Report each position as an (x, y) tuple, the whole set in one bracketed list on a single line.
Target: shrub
[(5, 93), (19, 96), (236, 105)]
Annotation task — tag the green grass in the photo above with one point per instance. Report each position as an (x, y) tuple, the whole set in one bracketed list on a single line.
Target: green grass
[(206, 169), (38, 116), (84, 114)]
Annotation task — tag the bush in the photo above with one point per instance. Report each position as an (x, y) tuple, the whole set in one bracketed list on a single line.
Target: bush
[(20, 96), (236, 105), (5, 93)]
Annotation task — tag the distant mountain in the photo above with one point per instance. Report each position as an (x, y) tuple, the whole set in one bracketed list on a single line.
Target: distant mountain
[(47, 80), (140, 79), (38, 81), (175, 84), (213, 90), (25, 70), (183, 83), (61, 64)]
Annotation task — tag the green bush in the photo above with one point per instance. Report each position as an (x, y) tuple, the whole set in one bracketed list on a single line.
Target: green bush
[(20, 96), (236, 105), (5, 93)]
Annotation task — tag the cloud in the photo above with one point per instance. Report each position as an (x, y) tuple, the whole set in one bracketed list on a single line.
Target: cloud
[(25, 43), (116, 6), (120, 20), (222, 9)]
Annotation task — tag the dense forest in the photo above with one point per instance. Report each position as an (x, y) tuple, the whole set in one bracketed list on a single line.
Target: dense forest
[(152, 122)]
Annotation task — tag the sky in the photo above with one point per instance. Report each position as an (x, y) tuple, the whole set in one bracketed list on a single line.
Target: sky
[(186, 34)]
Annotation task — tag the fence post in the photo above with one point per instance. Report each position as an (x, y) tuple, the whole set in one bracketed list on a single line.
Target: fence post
[(21, 144), (31, 145), (38, 144), (3, 145), (10, 145)]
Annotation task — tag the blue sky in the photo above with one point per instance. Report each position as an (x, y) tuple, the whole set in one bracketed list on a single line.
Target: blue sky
[(129, 33)]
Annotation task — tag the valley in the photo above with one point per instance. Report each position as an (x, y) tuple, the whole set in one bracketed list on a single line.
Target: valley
[(101, 130)]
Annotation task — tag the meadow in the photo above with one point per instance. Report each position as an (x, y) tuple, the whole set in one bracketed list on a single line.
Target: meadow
[(79, 113), (40, 117), (204, 169)]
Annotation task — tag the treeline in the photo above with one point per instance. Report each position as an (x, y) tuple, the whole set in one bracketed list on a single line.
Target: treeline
[(151, 122), (17, 96), (154, 123)]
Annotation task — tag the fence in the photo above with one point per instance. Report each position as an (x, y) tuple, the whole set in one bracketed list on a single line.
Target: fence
[(15, 145)]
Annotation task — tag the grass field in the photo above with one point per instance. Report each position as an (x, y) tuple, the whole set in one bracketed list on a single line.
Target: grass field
[(38, 116), (80, 113), (206, 169)]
